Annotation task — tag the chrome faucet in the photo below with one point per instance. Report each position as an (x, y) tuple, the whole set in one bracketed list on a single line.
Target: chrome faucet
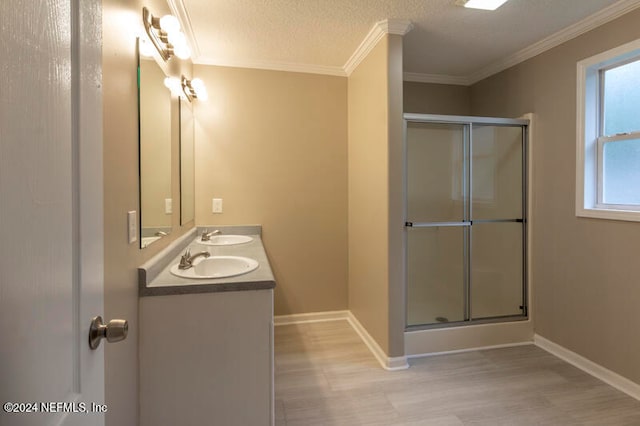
[(206, 235), (161, 234), (186, 261)]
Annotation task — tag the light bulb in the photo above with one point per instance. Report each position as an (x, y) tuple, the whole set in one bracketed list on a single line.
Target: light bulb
[(169, 23), (173, 84), (177, 38), (200, 89), (202, 95), (197, 84), (182, 52)]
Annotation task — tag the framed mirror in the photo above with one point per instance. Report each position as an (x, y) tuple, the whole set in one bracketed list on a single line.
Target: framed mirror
[(154, 102), (187, 162)]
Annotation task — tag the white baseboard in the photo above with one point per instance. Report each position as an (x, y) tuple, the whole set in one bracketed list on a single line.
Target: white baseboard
[(614, 379), (310, 317), (479, 348), (388, 363)]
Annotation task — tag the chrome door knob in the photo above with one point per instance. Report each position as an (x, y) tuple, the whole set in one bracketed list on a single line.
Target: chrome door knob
[(114, 331)]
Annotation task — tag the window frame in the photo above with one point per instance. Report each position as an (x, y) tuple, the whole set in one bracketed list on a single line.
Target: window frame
[(590, 138)]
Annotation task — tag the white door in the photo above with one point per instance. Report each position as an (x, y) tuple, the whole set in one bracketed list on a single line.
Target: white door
[(50, 211)]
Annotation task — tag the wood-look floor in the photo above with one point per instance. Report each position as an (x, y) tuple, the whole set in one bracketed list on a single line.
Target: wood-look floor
[(325, 375)]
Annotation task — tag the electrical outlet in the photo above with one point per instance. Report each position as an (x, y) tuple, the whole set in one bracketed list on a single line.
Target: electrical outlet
[(132, 222), (217, 205), (168, 205)]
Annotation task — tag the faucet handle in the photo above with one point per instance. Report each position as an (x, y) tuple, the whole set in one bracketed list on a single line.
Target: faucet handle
[(185, 261), (186, 255)]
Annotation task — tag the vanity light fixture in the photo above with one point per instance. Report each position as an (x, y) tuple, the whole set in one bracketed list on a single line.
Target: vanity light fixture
[(165, 35), (194, 89), (481, 4), (173, 84)]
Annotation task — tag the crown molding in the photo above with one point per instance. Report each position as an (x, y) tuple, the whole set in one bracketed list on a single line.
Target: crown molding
[(361, 52), (277, 66), (377, 32), (179, 10), (395, 26), (595, 20), (436, 78)]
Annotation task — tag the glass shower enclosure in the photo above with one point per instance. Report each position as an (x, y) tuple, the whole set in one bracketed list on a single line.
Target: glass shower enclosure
[(466, 223)]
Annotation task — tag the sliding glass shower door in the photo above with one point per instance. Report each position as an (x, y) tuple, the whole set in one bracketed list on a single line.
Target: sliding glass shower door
[(465, 217), (437, 169)]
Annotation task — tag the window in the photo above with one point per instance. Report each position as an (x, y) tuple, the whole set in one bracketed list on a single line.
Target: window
[(608, 145)]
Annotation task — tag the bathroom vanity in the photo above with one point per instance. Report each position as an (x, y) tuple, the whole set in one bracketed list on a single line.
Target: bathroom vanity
[(206, 345)]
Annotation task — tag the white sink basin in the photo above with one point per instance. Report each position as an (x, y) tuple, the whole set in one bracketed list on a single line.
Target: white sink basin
[(226, 240), (216, 267)]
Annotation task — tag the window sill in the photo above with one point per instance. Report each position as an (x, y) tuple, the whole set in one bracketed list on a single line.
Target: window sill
[(595, 213)]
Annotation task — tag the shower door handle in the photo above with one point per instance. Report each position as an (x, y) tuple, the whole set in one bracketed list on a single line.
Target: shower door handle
[(434, 224)]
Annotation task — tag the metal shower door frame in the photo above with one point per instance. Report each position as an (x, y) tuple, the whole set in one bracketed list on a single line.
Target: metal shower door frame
[(468, 122)]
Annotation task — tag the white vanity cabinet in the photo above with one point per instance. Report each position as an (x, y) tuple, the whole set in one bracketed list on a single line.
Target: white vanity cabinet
[(207, 359)]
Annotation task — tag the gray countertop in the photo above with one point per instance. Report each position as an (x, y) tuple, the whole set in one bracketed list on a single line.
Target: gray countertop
[(155, 278)]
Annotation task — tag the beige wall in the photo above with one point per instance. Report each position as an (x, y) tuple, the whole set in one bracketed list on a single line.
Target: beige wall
[(122, 19), (429, 98), (585, 271), (273, 146), (375, 188)]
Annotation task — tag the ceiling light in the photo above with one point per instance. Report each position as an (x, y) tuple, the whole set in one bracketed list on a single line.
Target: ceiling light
[(481, 4)]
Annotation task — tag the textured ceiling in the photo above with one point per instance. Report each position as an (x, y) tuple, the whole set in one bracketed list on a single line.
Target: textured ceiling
[(445, 40)]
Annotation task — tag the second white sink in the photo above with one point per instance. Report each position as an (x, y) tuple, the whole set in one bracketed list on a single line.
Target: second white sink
[(226, 240), (216, 267)]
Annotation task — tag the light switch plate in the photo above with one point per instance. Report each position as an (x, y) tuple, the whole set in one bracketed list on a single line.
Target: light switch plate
[(168, 205), (132, 222), (217, 205)]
